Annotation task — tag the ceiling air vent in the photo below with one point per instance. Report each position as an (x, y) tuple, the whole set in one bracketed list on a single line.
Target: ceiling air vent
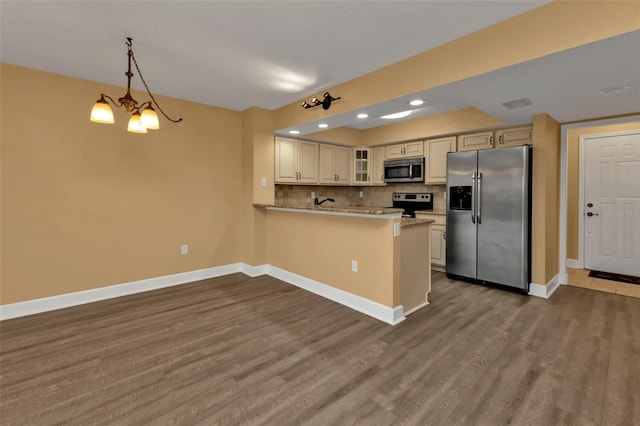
[(518, 103)]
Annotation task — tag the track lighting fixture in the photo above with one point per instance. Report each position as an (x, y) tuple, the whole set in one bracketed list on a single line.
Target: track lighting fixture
[(325, 102), (143, 117)]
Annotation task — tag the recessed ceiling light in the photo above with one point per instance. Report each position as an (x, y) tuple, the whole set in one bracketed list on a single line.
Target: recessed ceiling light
[(323, 125), (396, 115), (294, 132), (416, 102), (363, 115), (614, 90)]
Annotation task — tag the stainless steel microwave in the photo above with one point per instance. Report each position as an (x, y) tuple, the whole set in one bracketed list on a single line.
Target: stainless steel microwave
[(404, 170)]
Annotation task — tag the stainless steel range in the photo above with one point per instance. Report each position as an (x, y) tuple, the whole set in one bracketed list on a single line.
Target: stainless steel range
[(412, 202)]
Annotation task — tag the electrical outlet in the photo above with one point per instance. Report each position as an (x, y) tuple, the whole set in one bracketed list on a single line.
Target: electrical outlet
[(263, 182), (184, 249), (361, 194), (354, 265), (313, 195), (396, 229)]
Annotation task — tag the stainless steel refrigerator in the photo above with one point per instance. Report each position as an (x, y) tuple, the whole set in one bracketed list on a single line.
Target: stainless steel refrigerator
[(489, 216)]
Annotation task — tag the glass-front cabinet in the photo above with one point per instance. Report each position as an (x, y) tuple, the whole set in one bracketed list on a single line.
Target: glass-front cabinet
[(362, 166)]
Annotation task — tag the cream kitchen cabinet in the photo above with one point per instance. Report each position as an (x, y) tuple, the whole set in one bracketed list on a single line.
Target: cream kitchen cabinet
[(515, 136), (409, 149), (474, 141), (296, 161), (436, 154), (362, 163), (377, 171), (334, 165), (438, 239)]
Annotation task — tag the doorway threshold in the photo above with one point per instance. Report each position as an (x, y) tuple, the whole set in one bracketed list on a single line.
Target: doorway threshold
[(581, 278)]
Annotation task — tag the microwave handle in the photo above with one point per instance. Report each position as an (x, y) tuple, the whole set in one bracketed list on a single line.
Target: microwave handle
[(411, 170)]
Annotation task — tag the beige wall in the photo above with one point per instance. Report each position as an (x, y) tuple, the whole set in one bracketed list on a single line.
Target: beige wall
[(257, 163), (545, 201), (573, 177), (321, 247), (87, 205)]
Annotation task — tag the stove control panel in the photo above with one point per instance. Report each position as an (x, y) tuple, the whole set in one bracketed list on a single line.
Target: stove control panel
[(416, 197)]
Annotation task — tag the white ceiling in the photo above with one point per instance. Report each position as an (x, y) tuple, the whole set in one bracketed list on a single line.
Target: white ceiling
[(238, 54)]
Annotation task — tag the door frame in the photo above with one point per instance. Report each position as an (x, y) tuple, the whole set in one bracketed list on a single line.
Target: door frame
[(582, 188), (564, 165)]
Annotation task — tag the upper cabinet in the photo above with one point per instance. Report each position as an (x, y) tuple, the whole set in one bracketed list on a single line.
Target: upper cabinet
[(409, 149), (304, 162), (362, 163), (296, 161), (377, 172), (436, 154), (473, 141), (515, 136), (368, 166), (334, 165)]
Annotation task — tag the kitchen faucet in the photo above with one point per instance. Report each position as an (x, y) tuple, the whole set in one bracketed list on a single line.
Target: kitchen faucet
[(319, 203)]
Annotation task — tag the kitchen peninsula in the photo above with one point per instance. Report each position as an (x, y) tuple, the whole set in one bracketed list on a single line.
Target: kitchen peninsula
[(368, 258)]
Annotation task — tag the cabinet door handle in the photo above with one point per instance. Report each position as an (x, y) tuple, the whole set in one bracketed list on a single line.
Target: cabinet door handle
[(500, 140), (491, 141), (444, 235)]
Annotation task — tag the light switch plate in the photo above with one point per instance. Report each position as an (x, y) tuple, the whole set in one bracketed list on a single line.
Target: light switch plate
[(396, 229), (263, 182)]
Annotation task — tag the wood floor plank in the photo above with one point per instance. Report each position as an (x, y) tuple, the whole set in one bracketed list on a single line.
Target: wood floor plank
[(236, 350)]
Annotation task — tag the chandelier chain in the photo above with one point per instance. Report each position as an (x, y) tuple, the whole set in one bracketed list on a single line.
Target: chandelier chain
[(149, 92)]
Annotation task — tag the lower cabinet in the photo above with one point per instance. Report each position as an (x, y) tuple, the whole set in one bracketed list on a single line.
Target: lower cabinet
[(438, 240)]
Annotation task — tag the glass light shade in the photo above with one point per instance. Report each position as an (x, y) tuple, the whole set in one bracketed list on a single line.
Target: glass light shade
[(149, 119), (101, 113), (135, 125)]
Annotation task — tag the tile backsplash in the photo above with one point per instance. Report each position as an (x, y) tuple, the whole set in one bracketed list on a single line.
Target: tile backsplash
[(379, 196)]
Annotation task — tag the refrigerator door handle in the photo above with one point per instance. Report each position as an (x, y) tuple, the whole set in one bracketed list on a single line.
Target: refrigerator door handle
[(479, 215), (473, 198)]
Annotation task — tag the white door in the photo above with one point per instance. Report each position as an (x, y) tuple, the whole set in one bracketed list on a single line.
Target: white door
[(612, 204)]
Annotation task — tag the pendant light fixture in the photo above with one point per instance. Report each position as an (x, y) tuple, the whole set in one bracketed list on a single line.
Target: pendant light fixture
[(143, 116)]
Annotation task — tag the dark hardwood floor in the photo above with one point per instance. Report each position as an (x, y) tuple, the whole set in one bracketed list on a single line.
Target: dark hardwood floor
[(238, 350)]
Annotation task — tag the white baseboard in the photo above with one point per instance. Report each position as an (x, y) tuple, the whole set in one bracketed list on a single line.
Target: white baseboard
[(254, 271), (410, 311), (45, 304), (383, 313), (574, 263), (545, 291)]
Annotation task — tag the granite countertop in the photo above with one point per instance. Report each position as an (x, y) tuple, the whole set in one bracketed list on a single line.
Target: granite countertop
[(325, 208), (410, 221), (439, 212)]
